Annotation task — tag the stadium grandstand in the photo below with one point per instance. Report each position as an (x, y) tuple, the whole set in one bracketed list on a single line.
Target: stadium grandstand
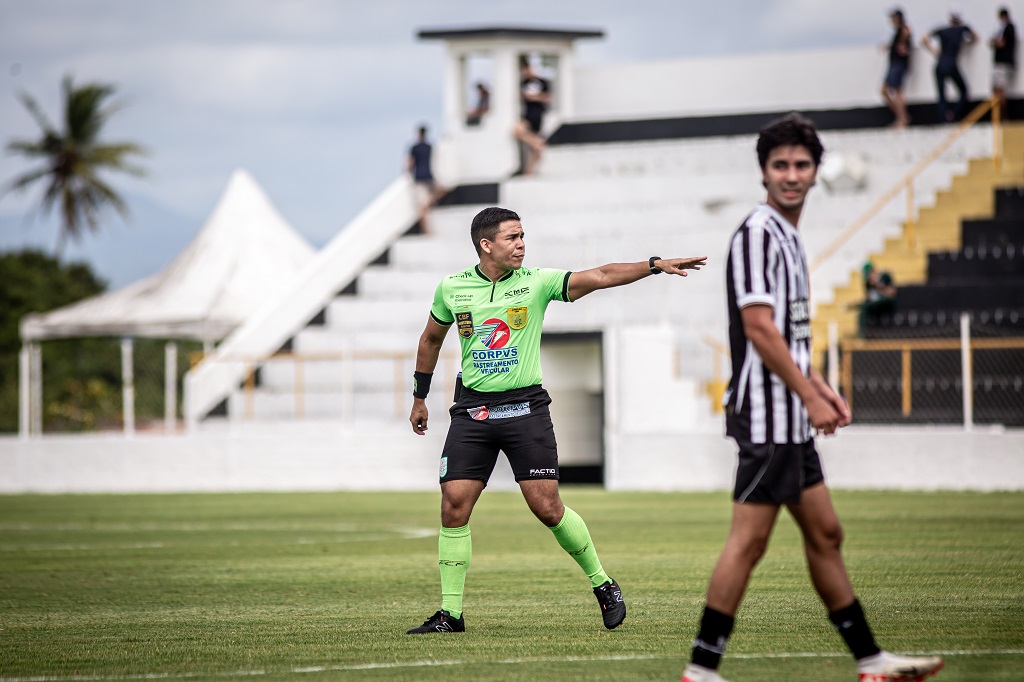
[(311, 391)]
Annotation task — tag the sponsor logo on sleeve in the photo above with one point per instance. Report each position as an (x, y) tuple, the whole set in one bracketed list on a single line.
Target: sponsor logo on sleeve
[(518, 317), (465, 324)]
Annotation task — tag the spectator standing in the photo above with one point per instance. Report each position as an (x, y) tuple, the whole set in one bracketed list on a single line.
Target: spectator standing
[(535, 94), (951, 38), (426, 189), (899, 63), (1004, 58)]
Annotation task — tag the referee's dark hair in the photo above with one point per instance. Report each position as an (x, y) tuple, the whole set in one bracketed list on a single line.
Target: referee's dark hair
[(792, 129), (486, 223)]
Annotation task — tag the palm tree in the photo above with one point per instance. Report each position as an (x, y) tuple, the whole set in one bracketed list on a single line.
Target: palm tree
[(72, 159)]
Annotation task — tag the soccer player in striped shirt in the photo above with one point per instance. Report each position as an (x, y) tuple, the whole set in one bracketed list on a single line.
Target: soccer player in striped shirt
[(774, 404)]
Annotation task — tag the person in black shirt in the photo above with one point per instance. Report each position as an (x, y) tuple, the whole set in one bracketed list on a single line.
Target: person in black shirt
[(426, 189), (535, 93), (899, 63), (1004, 58), (951, 38)]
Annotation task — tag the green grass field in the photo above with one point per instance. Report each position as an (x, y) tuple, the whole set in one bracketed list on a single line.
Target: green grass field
[(323, 586)]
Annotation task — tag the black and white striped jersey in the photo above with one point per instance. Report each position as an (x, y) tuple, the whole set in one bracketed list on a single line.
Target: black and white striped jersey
[(767, 266)]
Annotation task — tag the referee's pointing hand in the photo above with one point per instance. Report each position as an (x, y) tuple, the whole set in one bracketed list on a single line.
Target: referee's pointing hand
[(679, 266)]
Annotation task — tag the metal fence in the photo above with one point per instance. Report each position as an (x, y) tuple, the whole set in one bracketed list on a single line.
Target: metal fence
[(947, 374)]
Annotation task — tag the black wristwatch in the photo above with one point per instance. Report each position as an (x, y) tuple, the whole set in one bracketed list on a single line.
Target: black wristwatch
[(650, 262)]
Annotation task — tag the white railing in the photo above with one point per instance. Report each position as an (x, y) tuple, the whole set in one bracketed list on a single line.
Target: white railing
[(338, 263)]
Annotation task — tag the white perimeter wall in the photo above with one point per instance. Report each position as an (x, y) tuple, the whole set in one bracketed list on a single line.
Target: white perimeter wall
[(820, 79), (328, 457)]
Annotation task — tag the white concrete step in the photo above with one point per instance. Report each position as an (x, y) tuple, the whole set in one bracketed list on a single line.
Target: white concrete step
[(879, 147), (347, 312), (265, 405)]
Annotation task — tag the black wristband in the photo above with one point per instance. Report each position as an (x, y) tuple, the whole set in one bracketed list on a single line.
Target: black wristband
[(650, 262), (421, 384)]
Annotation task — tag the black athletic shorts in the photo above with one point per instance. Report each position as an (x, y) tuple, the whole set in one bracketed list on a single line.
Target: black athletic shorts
[(517, 423), (773, 473), (534, 121)]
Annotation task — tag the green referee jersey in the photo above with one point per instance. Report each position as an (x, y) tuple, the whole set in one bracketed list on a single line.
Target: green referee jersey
[(499, 323)]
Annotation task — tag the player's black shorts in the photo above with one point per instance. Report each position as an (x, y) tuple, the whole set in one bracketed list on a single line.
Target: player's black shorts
[(517, 423), (773, 473)]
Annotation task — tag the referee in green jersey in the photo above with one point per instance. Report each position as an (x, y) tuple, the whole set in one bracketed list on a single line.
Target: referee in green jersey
[(497, 307)]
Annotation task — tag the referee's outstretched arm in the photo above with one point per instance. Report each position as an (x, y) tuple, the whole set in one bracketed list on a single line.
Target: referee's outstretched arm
[(616, 274)]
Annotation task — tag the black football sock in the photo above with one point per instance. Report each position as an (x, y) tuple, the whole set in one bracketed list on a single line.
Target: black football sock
[(715, 628), (851, 623)]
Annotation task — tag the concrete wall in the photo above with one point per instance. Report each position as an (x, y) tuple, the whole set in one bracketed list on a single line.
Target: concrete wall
[(898, 458), (325, 456)]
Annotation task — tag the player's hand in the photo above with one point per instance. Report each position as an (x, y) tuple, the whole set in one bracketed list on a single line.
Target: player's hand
[(824, 418), (840, 406), (418, 416), (832, 398), (679, 266)]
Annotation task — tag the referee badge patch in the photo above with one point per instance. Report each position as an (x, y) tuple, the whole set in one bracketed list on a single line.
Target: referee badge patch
[(465, 324), (518, 317)]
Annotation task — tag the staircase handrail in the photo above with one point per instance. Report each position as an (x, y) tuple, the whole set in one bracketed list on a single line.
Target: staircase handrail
[(908, 180), (336, 265)]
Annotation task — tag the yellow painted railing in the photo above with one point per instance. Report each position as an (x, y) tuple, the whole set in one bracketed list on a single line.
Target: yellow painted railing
[(907, 183)]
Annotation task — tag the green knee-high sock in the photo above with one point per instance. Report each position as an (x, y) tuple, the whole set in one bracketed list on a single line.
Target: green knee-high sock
[(573, 536), (454, 550)]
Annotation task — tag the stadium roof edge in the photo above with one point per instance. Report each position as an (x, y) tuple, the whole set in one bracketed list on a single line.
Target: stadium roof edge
[(508, 32)]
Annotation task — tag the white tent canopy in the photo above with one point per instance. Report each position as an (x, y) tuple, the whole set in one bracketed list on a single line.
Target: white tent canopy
[(243, 254)]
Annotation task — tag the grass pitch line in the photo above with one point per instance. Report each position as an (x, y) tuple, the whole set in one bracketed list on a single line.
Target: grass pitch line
[(505, 661), (357, 536)]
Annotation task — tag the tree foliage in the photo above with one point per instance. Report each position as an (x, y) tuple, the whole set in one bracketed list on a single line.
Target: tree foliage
[(81, 376), (72, 158), (31, 281)]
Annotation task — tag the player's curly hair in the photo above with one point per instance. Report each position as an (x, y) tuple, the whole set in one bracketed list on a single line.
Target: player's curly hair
[(792, 129), (486, 223)]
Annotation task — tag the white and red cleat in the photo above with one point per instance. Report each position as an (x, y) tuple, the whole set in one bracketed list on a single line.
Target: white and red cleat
[(695, 673), (887, 667)]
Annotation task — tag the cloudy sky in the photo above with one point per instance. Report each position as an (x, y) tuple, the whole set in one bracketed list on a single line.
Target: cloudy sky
[(318, 99)]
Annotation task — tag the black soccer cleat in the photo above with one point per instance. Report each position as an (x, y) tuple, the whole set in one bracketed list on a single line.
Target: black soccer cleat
[(442, 621), (613, 608)]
